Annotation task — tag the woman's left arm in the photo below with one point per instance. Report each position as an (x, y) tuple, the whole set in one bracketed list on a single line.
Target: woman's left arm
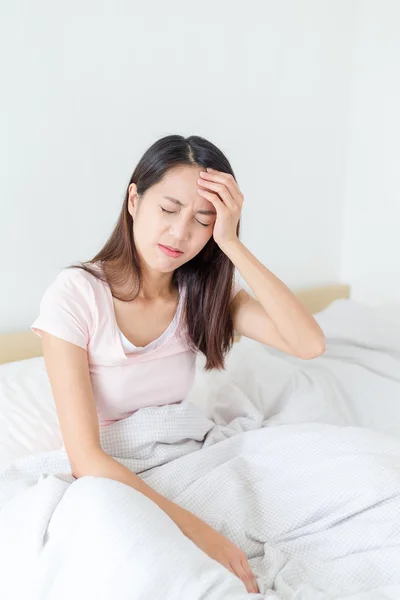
[(275, 317)]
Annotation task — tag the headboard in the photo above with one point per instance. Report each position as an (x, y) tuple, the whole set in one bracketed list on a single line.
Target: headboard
[(26, 344)]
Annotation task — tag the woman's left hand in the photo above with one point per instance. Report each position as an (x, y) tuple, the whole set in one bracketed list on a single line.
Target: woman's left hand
[(227, 199)]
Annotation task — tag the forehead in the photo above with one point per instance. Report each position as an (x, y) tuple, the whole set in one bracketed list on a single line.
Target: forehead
[(181, 183)]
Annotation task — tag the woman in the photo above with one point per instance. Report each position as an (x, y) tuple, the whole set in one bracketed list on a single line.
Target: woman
[(162, 288)]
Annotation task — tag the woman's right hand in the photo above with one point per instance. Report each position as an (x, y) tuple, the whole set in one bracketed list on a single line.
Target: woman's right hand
[(225, 552)]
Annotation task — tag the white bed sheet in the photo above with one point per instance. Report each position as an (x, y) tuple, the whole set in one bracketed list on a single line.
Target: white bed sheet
[(322, 440), (28, 419), (359, 371)]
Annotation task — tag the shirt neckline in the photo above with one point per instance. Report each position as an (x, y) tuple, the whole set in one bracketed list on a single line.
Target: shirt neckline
[(154, 344)]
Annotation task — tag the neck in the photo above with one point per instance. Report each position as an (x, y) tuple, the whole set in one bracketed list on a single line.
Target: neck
[(155, 284), (152, 289)]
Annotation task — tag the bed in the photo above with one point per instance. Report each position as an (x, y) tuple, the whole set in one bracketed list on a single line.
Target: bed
[(25, 344), (299, 466)]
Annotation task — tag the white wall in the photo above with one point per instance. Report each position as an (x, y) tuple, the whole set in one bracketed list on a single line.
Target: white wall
[(371, 249), (85, 94)]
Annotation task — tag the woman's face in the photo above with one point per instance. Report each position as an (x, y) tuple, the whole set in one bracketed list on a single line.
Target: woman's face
[(157, 220)]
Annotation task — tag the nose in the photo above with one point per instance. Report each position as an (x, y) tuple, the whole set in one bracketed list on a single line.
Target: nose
[(180, 229)]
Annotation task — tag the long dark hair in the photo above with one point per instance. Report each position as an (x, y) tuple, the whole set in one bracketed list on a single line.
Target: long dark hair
[(207, 278)]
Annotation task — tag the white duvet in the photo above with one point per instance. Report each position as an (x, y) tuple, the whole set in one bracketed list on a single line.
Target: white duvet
[(297, 462)]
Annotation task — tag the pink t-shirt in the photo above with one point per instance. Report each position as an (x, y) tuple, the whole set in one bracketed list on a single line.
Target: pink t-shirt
[(78, 307)]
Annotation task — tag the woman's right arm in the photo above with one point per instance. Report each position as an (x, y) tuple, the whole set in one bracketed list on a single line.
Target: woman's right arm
[(68, 372)]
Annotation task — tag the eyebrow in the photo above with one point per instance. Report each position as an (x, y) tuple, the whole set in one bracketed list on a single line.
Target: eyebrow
[(202, 212)]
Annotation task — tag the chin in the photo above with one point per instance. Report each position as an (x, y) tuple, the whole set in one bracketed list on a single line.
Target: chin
[(165, 269), (163, 266)]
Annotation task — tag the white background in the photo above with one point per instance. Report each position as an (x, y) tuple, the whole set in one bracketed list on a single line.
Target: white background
[(302, 96)]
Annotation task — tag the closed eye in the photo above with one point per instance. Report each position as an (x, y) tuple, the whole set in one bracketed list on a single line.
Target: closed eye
[(171, 212)]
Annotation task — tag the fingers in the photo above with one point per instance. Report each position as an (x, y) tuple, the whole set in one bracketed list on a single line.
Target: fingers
[(225, 178), (221, 190), (243, 571)]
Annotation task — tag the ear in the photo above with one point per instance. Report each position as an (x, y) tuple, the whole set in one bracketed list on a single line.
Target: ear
[(132, 199)]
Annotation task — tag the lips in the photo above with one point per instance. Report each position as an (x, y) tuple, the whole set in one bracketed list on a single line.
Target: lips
[(169, 251), (170, 248)]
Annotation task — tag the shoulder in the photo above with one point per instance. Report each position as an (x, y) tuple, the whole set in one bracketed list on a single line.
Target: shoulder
[(75, 285), (71, 278), (69, 306), (77, 277)]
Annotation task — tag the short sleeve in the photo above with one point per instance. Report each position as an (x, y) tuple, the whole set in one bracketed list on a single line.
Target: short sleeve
[(65, 308), (236, 287)]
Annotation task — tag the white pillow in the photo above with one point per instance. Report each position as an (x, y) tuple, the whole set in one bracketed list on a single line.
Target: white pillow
[(28, 418)]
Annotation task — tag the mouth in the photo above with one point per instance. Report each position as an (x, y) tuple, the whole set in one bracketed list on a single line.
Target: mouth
[(170, 251)]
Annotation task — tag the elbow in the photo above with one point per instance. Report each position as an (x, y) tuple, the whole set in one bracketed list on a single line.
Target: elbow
[(317, 349), (87, 465), (77, 471)]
